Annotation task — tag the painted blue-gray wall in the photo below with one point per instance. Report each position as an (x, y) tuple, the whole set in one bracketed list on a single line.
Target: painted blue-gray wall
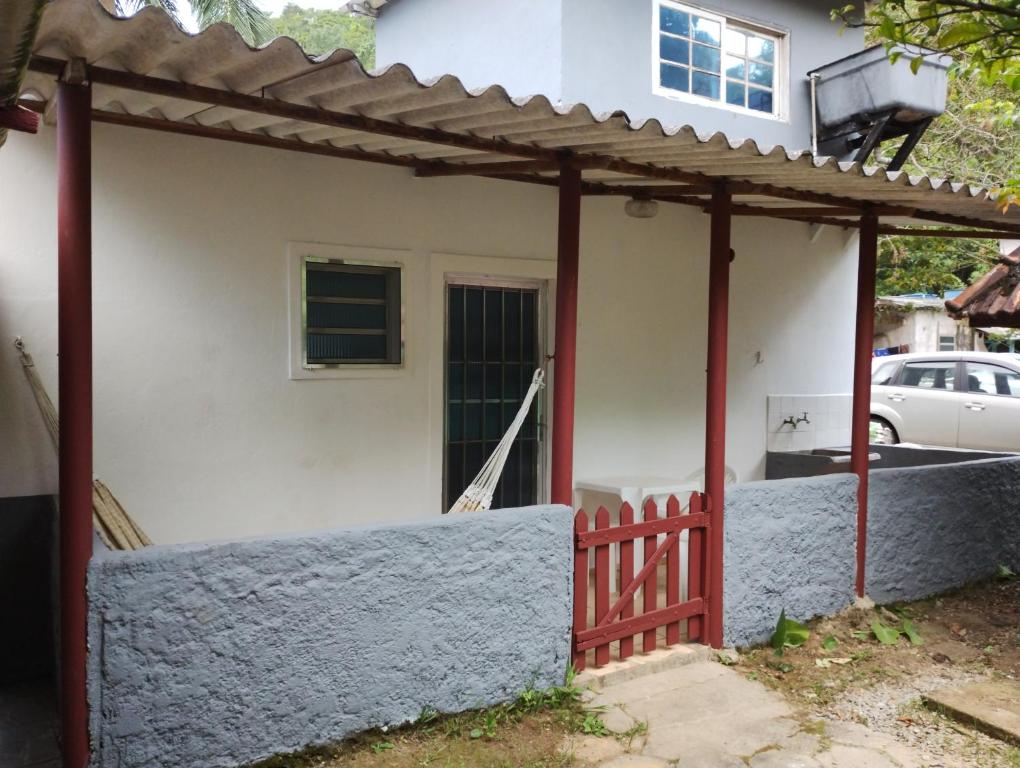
[(599, 52), (513, 44), (938, 527), (789, 545), (220, 654), (792, 543)]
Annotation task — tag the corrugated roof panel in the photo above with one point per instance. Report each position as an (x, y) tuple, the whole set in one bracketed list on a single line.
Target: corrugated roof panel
[(150, 44)]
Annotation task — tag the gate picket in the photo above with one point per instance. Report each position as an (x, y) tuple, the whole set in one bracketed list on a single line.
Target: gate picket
[(626, 576), (617, 621)]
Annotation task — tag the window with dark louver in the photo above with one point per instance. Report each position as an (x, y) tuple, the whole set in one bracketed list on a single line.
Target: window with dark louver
[(352, 314)]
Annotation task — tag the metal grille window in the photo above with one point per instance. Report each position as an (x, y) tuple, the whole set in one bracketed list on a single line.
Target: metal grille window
[(715, 58), (351, 313), (492, 351)]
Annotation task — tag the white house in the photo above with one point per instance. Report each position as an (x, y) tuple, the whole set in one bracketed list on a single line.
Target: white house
[(288, 294)]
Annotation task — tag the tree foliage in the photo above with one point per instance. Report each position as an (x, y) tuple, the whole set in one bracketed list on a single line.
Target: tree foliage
[(975, 140), (983, 36), (244, 15), (324, 31)]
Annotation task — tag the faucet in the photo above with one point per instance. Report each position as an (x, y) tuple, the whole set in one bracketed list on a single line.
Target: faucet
[(793, 422)]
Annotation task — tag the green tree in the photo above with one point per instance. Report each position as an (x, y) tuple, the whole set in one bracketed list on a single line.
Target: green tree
[(984, 38), (244, 15), (975, 140), (321, 32)]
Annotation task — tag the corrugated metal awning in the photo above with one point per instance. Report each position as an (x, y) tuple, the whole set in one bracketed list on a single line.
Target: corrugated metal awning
[(147, 72)]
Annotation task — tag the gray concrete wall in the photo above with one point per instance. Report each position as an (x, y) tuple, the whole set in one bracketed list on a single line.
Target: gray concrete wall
[(935, 528), (220, 654), (789, 544), (516, 45)]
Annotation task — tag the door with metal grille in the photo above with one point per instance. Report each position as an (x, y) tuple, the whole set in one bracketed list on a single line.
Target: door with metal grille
[(492, 350)]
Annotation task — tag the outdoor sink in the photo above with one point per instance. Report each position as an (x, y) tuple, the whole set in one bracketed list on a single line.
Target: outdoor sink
[(866, 83), (808, 463)]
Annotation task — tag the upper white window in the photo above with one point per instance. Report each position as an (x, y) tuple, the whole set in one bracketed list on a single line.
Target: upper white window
[(703, 56)]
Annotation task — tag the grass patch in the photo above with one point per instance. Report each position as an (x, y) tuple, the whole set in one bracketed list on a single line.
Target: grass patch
[(526, 733)]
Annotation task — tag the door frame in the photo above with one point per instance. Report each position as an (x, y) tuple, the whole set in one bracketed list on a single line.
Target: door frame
[(475, 280)]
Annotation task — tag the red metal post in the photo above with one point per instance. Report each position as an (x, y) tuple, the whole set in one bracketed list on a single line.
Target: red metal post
[(74, 329), (566, 337), (863, 343), (715, 404)]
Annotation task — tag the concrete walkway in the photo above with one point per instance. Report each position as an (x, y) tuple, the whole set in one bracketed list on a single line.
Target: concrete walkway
[(705, 715)]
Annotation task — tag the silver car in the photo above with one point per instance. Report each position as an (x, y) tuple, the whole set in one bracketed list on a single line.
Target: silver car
[(952, 399)]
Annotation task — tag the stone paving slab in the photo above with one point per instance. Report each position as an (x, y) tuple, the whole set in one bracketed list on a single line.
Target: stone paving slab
[(705, 715), (992, 707)]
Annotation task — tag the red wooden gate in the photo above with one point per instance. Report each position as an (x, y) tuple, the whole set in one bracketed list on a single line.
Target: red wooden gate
[(618, 622)]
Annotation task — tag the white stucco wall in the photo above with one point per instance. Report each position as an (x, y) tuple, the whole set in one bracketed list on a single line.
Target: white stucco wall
[(201, 433)]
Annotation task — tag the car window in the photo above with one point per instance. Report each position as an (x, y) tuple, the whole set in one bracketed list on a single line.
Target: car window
[(929, 375), (988, 379), (884, 373)]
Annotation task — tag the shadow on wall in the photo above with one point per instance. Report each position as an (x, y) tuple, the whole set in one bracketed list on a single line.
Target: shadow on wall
[(27, 556)]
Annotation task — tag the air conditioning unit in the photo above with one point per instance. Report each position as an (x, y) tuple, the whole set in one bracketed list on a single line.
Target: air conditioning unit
[(867, 98)]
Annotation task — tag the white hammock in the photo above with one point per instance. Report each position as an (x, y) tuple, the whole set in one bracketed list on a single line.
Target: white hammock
[(478, 496)]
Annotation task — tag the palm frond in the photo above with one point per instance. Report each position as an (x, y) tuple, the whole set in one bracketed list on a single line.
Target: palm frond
[(129, 7), (244, 15)]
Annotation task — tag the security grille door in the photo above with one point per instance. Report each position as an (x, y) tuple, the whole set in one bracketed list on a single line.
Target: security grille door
[(492, 350)]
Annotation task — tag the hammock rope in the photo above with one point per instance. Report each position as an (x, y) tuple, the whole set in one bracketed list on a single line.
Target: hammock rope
[(478, 495), (114, 525)]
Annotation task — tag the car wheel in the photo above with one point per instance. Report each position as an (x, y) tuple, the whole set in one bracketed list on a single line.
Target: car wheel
[(881, 432)]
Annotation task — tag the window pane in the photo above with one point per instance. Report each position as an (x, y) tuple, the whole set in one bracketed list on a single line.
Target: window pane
[(671, 20), (455, 381), (735, 42), (473, 323), (333, 315), (935, 375), (528, 315), (707, 31), (493, 325), (674, 49), (987, 379), (322, 281), (324, 347), (759, 100), (734, 67), (705, 85), (759, 74), (884, 374), (706, 58), (761, 48), (456, 334), (512, 325), (475, 377), (674, 77), (947, 343), (735, 93)]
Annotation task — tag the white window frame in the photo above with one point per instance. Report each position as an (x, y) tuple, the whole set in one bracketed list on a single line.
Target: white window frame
[(297, 255), (780, 89)]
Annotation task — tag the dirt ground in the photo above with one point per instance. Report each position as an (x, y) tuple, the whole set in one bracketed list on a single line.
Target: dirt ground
[(844, 673)]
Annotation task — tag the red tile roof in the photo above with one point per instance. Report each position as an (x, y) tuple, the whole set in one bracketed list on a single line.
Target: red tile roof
[(994, 300)]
